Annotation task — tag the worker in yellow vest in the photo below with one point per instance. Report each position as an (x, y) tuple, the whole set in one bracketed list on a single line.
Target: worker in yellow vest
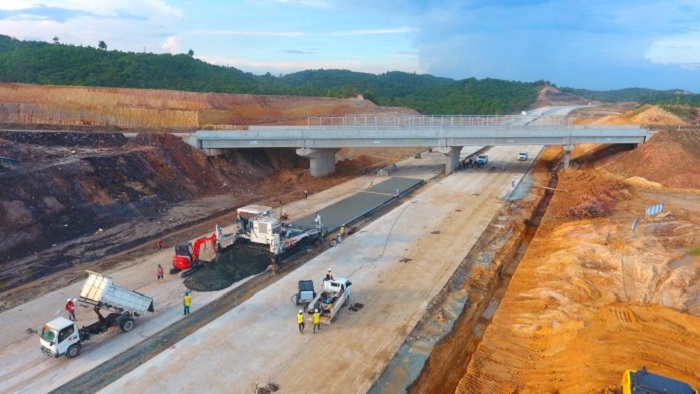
[(186, 301), (300, 320), (317, 320)]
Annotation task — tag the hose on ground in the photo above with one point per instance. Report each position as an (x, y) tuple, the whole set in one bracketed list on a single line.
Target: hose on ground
[(372, 260)]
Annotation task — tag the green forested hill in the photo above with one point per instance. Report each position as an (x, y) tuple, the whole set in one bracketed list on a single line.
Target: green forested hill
[(58, 64), (638, 95)]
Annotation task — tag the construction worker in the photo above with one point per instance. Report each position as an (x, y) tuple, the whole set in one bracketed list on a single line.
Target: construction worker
[(186, 301), (70, 308), (317, 320), (342, 230), (306, 194), (371, 185), (300, 320), (159, 273), (329, 275)]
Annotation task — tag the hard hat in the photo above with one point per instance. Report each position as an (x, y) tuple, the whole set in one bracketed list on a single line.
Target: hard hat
[(301, 311), (329, 269), (68, 300), (187, 291), (316, 310)]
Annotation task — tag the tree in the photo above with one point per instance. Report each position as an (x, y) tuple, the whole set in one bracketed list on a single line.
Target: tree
[(55, 39), (102, 45), (190, 52)]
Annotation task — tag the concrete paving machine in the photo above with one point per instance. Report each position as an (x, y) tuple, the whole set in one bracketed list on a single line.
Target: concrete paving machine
[(255, 225), (63, 337)]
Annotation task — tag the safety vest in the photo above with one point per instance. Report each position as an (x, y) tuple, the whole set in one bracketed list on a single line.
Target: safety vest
[(300, 318), (317, 318), (188, 299), (70, 307)]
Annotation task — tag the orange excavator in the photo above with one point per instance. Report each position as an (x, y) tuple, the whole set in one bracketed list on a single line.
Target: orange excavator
[(186, 256)]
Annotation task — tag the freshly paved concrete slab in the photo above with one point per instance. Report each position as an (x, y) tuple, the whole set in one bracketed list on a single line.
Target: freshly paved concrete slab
[(350, 209)]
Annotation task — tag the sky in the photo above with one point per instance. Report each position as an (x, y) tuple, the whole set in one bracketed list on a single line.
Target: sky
[(591, 44)]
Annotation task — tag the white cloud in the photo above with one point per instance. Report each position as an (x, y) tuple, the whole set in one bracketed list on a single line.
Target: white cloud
[(309, 3), (86, 22), (15, 5), (171, 44), (153, 9), (682, 50), (249, 33), (398, 30), (285, 67)]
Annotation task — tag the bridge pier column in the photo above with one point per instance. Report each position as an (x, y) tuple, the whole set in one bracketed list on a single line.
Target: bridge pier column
[(452, 153), (321, 161), (214, 151), (567, 154)]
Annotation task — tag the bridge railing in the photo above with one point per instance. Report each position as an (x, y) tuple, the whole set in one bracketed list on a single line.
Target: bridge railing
[(439, 122)]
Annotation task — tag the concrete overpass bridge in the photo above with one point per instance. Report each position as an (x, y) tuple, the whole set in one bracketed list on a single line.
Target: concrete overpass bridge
[(322, 137)]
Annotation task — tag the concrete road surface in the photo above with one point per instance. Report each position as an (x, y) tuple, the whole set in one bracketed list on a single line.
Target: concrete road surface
[(397, 265)]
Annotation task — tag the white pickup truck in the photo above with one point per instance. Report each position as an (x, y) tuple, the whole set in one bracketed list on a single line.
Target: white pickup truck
[(331, 299), (62, 337), (482, 160)]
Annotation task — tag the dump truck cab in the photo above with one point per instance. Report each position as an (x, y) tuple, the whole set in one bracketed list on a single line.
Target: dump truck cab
[(60, 336)]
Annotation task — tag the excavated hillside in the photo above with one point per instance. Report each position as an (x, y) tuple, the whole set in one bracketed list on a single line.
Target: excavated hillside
[(146, 109), (79, 196), (591, 297)]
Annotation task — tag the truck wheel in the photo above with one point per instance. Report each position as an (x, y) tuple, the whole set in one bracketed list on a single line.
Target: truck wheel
[(73, 351), (174, 271), (127, 325)]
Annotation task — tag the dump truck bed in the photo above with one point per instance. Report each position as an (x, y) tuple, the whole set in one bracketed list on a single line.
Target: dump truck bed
[(99, 289)]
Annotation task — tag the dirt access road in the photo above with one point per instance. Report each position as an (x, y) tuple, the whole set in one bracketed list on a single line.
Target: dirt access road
[(397, 265)]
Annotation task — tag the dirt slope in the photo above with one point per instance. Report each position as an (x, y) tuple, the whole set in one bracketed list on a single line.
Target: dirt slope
[(671, 158), (591, 299), (549, 96), (648, 115), (162, 109)]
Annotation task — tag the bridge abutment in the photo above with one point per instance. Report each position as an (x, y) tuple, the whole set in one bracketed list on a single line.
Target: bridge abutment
[(321, 161), (452, 153)]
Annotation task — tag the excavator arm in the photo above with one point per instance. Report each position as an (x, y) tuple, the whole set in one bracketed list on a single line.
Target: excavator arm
[(203, 241)]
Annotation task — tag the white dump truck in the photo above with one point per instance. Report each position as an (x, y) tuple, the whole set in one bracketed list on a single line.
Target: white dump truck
[(334, 295), (63, 337)]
